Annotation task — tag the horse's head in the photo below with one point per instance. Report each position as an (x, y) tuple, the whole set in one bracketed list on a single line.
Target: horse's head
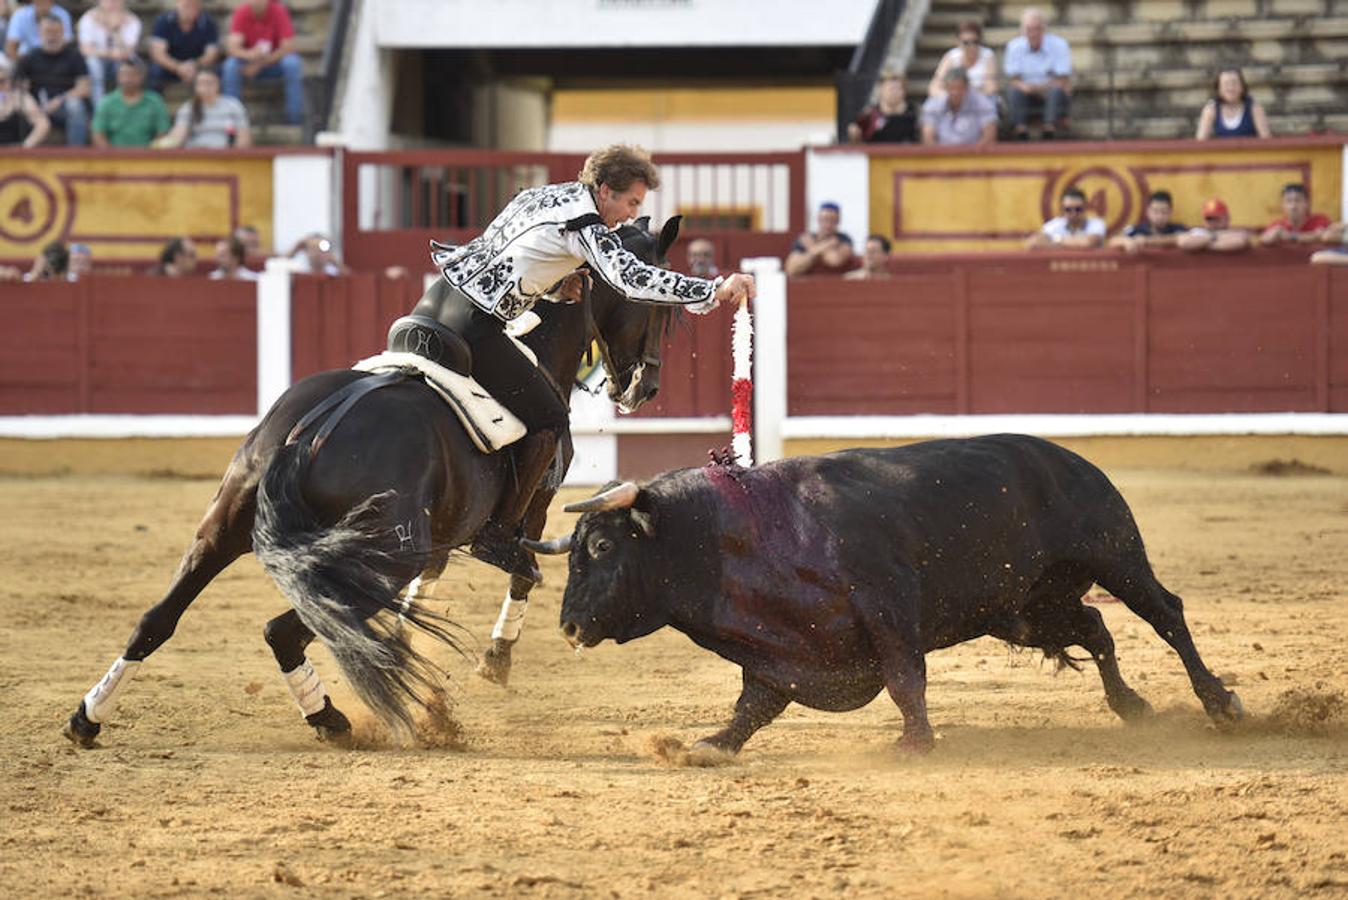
[(630, 334)]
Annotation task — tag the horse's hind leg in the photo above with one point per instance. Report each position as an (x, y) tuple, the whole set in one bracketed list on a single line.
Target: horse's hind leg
[(222, 537), (288, 637), (1136, 585)]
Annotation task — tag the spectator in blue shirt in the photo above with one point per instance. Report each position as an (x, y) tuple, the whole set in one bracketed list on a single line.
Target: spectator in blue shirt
[(1039, 69), (183, 43), (22, 34)]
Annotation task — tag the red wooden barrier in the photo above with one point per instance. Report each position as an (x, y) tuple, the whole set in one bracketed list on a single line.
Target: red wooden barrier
[(1014, 335), (335, 322), (129, 345)]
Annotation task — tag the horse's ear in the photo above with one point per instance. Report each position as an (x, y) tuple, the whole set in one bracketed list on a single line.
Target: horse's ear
[(644, 223), (668, 235)]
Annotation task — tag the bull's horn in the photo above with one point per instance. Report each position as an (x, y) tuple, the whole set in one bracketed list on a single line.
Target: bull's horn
[(620, 497), (554, 547)]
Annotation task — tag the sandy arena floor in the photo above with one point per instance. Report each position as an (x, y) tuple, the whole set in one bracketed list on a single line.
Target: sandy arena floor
[(208, 782)]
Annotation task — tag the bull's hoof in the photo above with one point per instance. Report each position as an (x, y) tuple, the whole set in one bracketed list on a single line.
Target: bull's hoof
[(1229, 712), (330, 725), (1133, 709), (81, 731), (916, 743), (495, 664)]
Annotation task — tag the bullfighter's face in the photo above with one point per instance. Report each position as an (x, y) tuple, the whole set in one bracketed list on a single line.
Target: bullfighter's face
[(606, 595)]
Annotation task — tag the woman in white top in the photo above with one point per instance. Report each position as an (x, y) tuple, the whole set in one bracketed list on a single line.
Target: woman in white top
[(108, 35), (209, 120), (970, 55)]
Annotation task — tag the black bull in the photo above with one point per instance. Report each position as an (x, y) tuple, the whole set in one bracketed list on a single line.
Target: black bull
[(827, 578)]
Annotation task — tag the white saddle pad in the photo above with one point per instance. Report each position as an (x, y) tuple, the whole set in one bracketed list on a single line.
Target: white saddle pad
[(488, 423)]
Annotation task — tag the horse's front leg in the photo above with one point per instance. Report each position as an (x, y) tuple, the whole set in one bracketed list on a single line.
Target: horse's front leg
[(225, 534), (495, 664)]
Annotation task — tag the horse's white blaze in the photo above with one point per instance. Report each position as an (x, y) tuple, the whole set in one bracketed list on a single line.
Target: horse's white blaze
[(102, 697), (306, 687), (510, 621)]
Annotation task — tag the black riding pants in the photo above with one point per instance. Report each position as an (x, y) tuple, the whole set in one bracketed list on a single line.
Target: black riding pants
[(498, 365)]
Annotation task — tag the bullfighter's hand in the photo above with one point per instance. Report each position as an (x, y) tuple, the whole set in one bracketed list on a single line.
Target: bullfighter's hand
[(571, 289), (738, 288)]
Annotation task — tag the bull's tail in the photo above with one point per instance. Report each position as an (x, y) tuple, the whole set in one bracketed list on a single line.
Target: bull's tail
[(344, 587)]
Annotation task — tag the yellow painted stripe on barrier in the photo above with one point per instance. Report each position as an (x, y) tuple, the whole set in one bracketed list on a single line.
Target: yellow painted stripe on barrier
[(693, 104)]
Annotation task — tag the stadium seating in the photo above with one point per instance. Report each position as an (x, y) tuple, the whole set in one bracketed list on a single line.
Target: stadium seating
[(264, 100), (1144, 69)]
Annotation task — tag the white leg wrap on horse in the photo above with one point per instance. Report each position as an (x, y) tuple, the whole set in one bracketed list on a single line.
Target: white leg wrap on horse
[(102, 697), (306, 687), (510, 621)]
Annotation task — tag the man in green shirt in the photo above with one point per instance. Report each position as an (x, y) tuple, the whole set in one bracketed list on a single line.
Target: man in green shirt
[(130, 116)]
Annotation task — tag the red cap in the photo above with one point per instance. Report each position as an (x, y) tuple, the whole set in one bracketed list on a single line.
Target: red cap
[(1215, 208)]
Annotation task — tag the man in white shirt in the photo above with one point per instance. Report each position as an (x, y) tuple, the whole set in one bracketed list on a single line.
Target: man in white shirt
[(1074, 229), (1039, 69)]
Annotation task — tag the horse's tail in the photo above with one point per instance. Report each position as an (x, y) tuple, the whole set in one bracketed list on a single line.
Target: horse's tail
[(344, 585)]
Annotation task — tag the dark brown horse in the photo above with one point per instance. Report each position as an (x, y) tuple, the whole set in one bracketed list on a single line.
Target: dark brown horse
[(397, 486)]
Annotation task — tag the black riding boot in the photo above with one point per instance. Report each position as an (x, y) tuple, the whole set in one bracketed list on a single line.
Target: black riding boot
[(498, 541)]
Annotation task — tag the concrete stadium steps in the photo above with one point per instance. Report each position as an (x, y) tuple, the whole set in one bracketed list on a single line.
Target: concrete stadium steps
[(1163, 54), (313, 20)]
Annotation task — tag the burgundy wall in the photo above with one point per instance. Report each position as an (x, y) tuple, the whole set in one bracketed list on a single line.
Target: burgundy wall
[(1028, 334), (129, 345)]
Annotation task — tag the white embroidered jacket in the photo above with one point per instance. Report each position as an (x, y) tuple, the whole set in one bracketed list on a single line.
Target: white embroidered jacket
[(544, 234)]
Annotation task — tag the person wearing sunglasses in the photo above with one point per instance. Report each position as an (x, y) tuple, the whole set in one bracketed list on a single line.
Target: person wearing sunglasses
[(1215, 233), (1075, 229), (978, 62)]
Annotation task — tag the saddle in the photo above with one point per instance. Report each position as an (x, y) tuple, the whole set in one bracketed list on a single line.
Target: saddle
[(422, 348)]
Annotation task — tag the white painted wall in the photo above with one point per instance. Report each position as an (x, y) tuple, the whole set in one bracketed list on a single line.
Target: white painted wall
[(304, 198), (845, 179), (365, 104), (620, 23)]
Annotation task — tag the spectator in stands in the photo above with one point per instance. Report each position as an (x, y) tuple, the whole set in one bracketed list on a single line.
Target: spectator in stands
[(6, 10), (108, 36), (22, 120), (1232, 112), (1298, 225), (1039, 67), (177, 259), (261, 44), (890, 120), (209, 119), (184, 42), (979, 62), (874, 260), (24, 32), (314, 255), (81, 263), (1074, 229), (251, 240), (59, 80), (1158, 229), (51, 264), (825, 251), (229, 257), (130, 116), (959, 116), (1215, 233), (702, 259)]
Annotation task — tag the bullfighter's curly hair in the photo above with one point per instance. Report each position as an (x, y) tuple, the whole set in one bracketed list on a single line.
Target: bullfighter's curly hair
[(619, 166)]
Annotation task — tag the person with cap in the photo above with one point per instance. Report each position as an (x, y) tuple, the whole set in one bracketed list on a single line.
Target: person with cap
[(825, 251), (1215, 233)]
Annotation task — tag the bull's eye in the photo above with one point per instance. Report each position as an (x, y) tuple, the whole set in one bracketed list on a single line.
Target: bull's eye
[(599, 546)]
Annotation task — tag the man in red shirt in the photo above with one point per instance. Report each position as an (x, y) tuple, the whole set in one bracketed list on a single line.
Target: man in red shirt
[(261, 44), (1298, 224)]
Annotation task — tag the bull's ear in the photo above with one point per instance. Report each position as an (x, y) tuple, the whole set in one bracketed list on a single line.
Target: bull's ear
[(643, 514), (668, 235)]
